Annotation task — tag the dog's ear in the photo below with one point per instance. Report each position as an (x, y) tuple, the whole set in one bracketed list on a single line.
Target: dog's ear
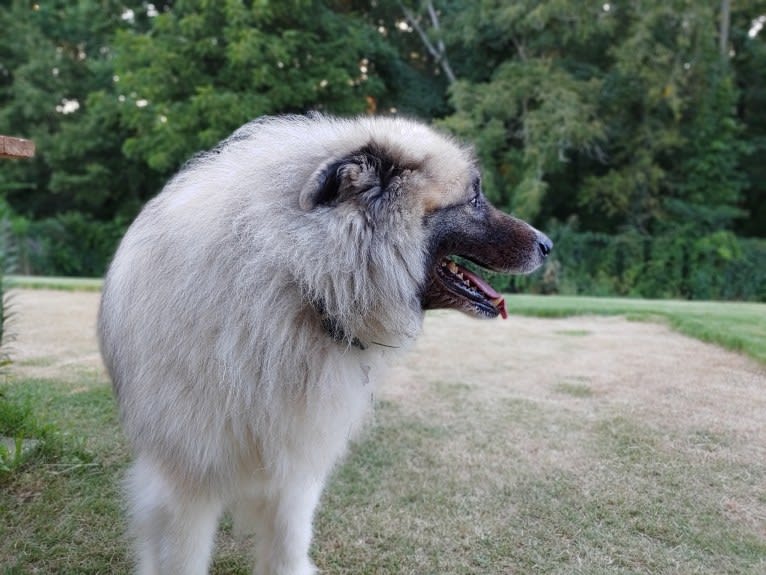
[(363, 175)]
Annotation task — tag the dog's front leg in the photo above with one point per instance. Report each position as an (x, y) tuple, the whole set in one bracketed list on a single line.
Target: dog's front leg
[(284, 528), (174, 529)]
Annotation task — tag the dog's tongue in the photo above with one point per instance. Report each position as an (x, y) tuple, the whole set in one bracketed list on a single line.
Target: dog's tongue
[(497, 300)]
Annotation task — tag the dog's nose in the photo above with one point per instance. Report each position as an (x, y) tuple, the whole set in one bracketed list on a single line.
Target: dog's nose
[(545, 243)]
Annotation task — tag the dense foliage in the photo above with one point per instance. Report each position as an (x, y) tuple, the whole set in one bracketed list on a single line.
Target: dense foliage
[(635, 132)]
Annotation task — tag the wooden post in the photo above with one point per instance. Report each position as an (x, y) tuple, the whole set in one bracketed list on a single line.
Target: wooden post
[(16, 147)]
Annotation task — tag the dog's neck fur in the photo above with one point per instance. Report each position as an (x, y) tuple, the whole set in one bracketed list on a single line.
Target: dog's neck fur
[(334, 328)]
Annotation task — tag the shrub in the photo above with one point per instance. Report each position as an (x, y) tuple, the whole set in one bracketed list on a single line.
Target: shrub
[(718, 265), (70, 244)]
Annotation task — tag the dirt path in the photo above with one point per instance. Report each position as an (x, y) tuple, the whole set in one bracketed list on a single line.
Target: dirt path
[(646, 369)]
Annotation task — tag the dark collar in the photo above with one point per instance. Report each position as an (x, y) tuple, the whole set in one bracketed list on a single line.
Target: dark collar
[(334, 329)]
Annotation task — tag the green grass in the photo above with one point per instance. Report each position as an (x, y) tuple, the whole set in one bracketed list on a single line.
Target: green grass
[(734, 325), (626, 499), (55, 283), (60, 504), (574, 389), (447, 489)]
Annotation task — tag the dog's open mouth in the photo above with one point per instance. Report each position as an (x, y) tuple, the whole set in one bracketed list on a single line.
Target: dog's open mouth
[(453, 286)]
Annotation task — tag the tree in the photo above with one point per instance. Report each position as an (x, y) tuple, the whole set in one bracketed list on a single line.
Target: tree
[(434, 42), (748, 39), (416, 80), (58, 56), (206, 67), (528, 105), (671, 105)]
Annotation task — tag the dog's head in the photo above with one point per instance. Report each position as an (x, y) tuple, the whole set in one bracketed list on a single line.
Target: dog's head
[(409, 174), (473, 229)]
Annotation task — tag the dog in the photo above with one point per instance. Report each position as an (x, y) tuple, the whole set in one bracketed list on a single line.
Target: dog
[(253, 304)]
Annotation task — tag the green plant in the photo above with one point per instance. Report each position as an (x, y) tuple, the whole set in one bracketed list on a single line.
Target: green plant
[(71, 244), (15, 423), (11, 454), (677, 264)]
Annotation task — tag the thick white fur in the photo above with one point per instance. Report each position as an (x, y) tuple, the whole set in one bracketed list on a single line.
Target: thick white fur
[(230, 390)]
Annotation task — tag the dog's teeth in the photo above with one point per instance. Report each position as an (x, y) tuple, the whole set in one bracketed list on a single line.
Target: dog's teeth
[(452, 266)]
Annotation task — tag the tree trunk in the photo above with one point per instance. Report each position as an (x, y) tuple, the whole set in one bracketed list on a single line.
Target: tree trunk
[(725, 24), (438, 51)]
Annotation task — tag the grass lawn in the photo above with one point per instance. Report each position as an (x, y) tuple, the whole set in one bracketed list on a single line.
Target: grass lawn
[(445, 492), (734, 325), (458, 477), (50, 282)]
